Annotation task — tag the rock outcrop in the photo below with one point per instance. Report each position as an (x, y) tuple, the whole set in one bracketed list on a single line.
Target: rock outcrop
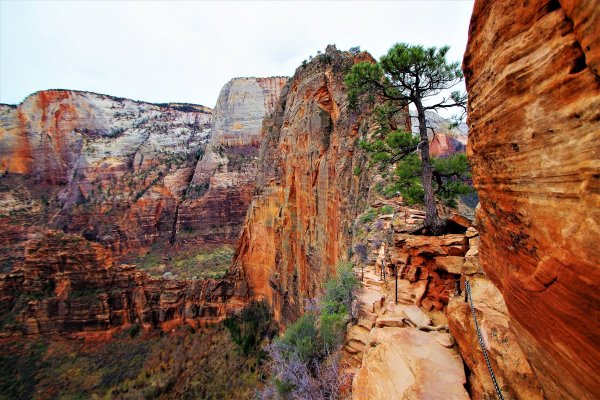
[(532, 73), (88, 181), (224, 179), (513, 373), (298, 226), (394, 350), (69, 285)]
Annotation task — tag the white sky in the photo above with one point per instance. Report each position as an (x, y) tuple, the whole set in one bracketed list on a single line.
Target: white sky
[(186, 51)]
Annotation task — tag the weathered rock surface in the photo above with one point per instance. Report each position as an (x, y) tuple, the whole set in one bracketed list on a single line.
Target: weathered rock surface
[(395, 353), (406, 363), (68, 284), (111, 169), (296, 229), (534, 144), (224, 179), (514, 375), (113, 174)]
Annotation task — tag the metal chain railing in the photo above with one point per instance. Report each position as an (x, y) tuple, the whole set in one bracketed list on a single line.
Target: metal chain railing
[(485, 354)]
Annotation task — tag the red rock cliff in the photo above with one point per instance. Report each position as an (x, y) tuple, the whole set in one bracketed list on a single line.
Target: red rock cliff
[(67, 284), (299, 226), (111, 169), (532, 73)]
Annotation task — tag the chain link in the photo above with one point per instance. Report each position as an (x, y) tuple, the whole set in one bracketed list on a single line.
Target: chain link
[(485, 353)]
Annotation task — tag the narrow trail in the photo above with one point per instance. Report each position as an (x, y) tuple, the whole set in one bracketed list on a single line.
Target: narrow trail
[(398, 351)]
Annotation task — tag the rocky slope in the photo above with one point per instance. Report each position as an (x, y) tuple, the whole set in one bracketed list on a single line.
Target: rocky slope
[(224, 179), (430, 298), (532, 73), (298, 226)]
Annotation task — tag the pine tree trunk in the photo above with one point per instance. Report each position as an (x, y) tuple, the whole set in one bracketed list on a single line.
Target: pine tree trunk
[(432, 219)]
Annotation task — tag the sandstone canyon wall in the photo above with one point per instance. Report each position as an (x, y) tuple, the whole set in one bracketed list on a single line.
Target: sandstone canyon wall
[(89, 180), (70, 285), (111, 169), (224, 179), (299, 225), (532, 73)]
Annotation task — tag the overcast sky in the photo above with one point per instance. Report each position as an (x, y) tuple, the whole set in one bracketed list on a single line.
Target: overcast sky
[(186, 51)]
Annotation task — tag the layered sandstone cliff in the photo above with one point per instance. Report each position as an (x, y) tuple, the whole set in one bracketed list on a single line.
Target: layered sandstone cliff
[(224, 179), (89, 180), (299, 225), (70, 285), (534, 144), (113, 170)]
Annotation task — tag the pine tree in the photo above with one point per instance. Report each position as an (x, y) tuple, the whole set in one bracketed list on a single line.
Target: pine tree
[(408, 75)]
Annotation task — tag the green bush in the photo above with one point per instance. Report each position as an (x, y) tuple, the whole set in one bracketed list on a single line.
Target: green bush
[(333, 329), (340, 290), (368, 216), (301, 338), (386, 210)]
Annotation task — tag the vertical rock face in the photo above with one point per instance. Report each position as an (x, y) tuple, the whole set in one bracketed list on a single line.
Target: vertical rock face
[(224, 179), (111, 169), (514, 375), (298, 226), (532, 73)]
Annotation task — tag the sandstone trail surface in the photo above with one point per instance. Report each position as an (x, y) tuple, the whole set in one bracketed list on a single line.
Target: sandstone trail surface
[(420, 345), (533, 75), (297, 226)]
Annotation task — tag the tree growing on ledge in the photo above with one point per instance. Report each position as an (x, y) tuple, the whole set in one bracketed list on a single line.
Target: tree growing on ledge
[(407, 75)]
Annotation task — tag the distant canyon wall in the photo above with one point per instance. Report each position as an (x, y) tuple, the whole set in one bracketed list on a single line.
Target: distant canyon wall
[(224, 179), (113, 170)]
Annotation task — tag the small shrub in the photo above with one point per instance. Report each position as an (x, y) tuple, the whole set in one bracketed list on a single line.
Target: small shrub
[(387, 209), (362, 251), (301, 338), (368, 216)]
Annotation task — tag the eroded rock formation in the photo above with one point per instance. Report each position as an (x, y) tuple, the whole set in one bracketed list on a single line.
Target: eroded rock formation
[(224, 179), (111, 169), (298, 227), (532, 73), (68, 284), (109, 177)]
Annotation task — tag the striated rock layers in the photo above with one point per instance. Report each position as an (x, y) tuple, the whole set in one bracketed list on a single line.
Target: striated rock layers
[(68, 284), (224, 179), (111, 169), (112, 177), (516, 379), (299, 225), (532, 73)]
